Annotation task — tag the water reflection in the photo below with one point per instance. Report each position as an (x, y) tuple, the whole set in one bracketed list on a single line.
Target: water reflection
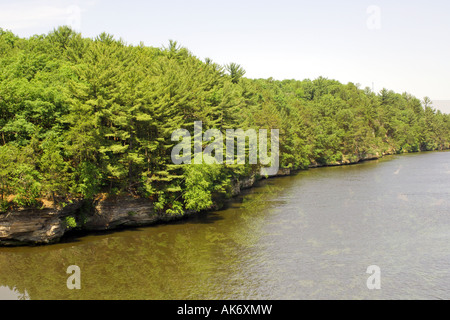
[(6, 293)]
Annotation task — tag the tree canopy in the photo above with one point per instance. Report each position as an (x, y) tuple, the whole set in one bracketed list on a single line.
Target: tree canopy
[(81, 116)]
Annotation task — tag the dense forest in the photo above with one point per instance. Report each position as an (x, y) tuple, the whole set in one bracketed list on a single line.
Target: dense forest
[(80, 117)]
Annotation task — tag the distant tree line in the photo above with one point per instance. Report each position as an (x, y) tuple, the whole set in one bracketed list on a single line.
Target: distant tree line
[(80, 117)]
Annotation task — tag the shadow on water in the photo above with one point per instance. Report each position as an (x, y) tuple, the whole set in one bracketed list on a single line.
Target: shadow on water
[(261, 187), (76, 236)]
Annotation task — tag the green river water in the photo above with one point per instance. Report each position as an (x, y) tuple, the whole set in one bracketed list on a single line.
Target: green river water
[(311, 235)]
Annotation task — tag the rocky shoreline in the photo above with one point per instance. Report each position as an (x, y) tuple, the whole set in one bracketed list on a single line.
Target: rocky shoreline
[(48, 225)]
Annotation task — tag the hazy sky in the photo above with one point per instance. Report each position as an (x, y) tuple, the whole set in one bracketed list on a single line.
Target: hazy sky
[(399, 45)]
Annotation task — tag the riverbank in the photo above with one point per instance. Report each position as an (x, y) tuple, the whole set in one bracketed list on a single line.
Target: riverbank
[(31, 226), (311, 234)]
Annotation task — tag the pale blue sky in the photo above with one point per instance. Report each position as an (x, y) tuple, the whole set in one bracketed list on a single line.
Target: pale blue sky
[(399, 45)]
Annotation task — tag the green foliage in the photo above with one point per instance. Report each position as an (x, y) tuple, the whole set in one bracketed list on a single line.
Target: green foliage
[(201, 182), (70, 222), (4, 205), (236, 71), (80, 116), (87, 180)]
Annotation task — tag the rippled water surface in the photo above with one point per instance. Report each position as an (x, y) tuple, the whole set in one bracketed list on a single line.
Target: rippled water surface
[(307, 236)]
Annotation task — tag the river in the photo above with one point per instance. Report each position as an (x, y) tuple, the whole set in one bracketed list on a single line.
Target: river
[(311, 235)]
